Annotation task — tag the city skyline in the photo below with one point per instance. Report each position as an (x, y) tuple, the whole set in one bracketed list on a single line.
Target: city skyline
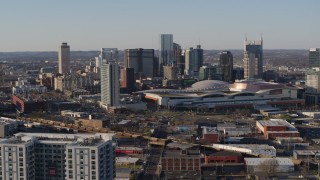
[(40, 26)]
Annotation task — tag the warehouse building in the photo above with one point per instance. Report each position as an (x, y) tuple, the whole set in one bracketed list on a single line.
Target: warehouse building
[(268, 165), (251, 149)]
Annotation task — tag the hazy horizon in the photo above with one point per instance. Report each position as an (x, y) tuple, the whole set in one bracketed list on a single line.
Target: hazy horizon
[(41, 26), (55, 51)]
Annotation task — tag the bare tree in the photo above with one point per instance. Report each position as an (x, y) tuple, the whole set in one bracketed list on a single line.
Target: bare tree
[(268, 167)]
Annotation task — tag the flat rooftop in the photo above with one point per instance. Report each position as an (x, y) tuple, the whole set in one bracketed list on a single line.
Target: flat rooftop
[(307, 152), (176, 153), (131, 160), (272, 123), (258, 161), (104, 136), (282, 132), (277, 122), (238, 129), (247, 146), (129, 148), (179, 145), (70, 139), (4, 120)]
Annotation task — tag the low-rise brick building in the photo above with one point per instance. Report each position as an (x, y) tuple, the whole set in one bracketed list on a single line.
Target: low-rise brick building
[(223, 157), (180, 160)]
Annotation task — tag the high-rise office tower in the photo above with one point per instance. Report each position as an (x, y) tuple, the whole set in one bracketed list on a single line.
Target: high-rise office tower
[(182, 62), (178, 59), (314, 57), (193, 60), (176, 54), (253, 59), (312, 87), (166, 51), (108, 54), (110, 85), (141, 60), (64, 58), (127, 79), (57, 156), (170, 72), (226, 65), (198, 58), (238, 73), (210, 73)]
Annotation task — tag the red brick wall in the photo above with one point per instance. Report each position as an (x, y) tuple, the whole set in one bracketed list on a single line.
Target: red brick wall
[(232, 159), (128, 151), (180, 164), (274, 128), (272, 135), (18, 103), (211, 138)]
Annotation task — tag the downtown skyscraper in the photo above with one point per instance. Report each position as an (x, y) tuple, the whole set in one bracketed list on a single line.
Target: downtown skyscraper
[(314, 57), (141, 60), (193, 60), (64, 58), (226, 65), (253, 59), (166, 56)]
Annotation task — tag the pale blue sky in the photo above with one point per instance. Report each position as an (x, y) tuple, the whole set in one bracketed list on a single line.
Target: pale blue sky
[(40, 25)]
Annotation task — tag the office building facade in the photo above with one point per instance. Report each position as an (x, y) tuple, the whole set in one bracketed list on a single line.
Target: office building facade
[(210, 73), (226, 65), (127, 80), (253, 59), (312, 87), (141, 60), (64, 58), (198, 58), (193, 60), (108, 54), (177, 54), (166, 51), (314, 57), (170, 72)]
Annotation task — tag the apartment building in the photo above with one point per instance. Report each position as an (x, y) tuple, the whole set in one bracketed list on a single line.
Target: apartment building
[(49, 156)]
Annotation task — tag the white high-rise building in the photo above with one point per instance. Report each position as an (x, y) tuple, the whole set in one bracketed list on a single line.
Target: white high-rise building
[(109, 73), (30, 156), (166, 56), (189, 61), (98, 61), (64, 58), (110, 85)]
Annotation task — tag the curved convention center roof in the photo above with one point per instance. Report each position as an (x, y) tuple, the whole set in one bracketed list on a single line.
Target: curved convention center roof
[(206, 85), (210, 85), (255, 86)]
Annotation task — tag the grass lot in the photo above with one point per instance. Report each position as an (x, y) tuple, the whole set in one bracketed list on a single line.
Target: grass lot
[(188, 118)]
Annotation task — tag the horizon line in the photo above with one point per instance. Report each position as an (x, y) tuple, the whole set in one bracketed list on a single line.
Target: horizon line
[(149, 48)]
